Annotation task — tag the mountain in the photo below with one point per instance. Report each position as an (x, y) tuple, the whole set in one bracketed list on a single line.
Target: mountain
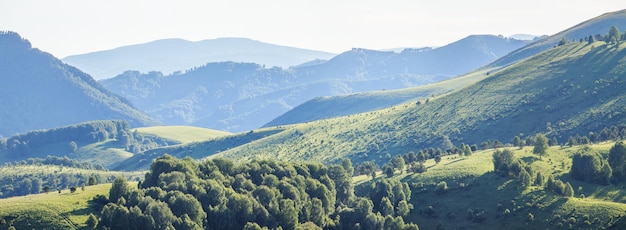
[(536, 95), (597, 25), (171, 55), (40, 92), (344, 105), (243, 96), (363, 102)]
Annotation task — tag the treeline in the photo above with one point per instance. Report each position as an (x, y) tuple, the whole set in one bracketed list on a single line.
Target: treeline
[(58, 161), (87, 132), (40, 182), (23, 146), (261, 194)]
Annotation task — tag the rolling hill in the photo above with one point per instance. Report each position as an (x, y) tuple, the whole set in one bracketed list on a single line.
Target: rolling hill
[(364, 102), (592, 26), (237, 97), (40, 92), (171, 55), (531, 96)]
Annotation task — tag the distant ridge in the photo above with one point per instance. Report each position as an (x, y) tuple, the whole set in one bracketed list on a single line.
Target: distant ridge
[(238, 97), (170, 55), (38, 91)]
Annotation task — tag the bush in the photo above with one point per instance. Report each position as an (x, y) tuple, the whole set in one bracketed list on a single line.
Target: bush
[(441, 188)]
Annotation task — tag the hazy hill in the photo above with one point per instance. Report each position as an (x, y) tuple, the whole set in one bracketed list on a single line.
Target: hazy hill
[(535, 95), (39, 91), (170, 55), (242, 96)]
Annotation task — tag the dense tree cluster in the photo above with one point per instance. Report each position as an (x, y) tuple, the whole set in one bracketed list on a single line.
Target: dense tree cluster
[(591, 166), (219, 194)]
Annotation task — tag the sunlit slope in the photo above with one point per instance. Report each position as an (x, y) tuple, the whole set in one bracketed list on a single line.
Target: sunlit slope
[(182, 134), (597, 25), (337, 106), (567, 90)]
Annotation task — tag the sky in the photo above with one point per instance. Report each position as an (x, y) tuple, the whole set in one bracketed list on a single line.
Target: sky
[(67, 27)]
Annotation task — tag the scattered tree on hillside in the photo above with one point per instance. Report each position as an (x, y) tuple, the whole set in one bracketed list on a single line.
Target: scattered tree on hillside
[(541, 144), (617, 161), (614, 35)]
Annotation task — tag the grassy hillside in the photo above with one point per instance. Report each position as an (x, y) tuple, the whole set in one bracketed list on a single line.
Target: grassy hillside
[(55, 210), (472, 185), (597, 25), (196, 150), (344, 105), (182, 134), (535, 95)]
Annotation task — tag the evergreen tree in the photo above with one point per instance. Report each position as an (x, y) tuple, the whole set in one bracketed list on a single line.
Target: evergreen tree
[(614, 35), (569, 191), (92, 221)]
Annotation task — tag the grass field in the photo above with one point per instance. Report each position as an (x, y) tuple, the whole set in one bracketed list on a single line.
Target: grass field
[(182, 134), (54, 210)]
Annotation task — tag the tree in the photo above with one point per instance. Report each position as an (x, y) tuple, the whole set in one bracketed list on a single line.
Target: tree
[(591, 39), (347, 165), (541, 144), (517, 142), (525, 178), (569, 191), (446, 143), (386, 208), (403, 208), (119, 189), (441, 188), (563, 41), (46, 189), (617, 160), (398, 163), (437, 159), (92, 180), (614, 35), (73, 189), (92, 221)]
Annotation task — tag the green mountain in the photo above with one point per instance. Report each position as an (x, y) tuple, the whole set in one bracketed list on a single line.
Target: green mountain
[(41, 92), (242, 96), (568, 90), (342, 105), (594, 26)]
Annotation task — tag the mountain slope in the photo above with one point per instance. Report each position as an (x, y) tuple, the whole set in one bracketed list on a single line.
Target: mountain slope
[(597, 25), (243, 96), (170, 55), (39, 92), (535, 95), (352, 104)]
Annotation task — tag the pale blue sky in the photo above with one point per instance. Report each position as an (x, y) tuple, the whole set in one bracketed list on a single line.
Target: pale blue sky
[(65, 27)]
